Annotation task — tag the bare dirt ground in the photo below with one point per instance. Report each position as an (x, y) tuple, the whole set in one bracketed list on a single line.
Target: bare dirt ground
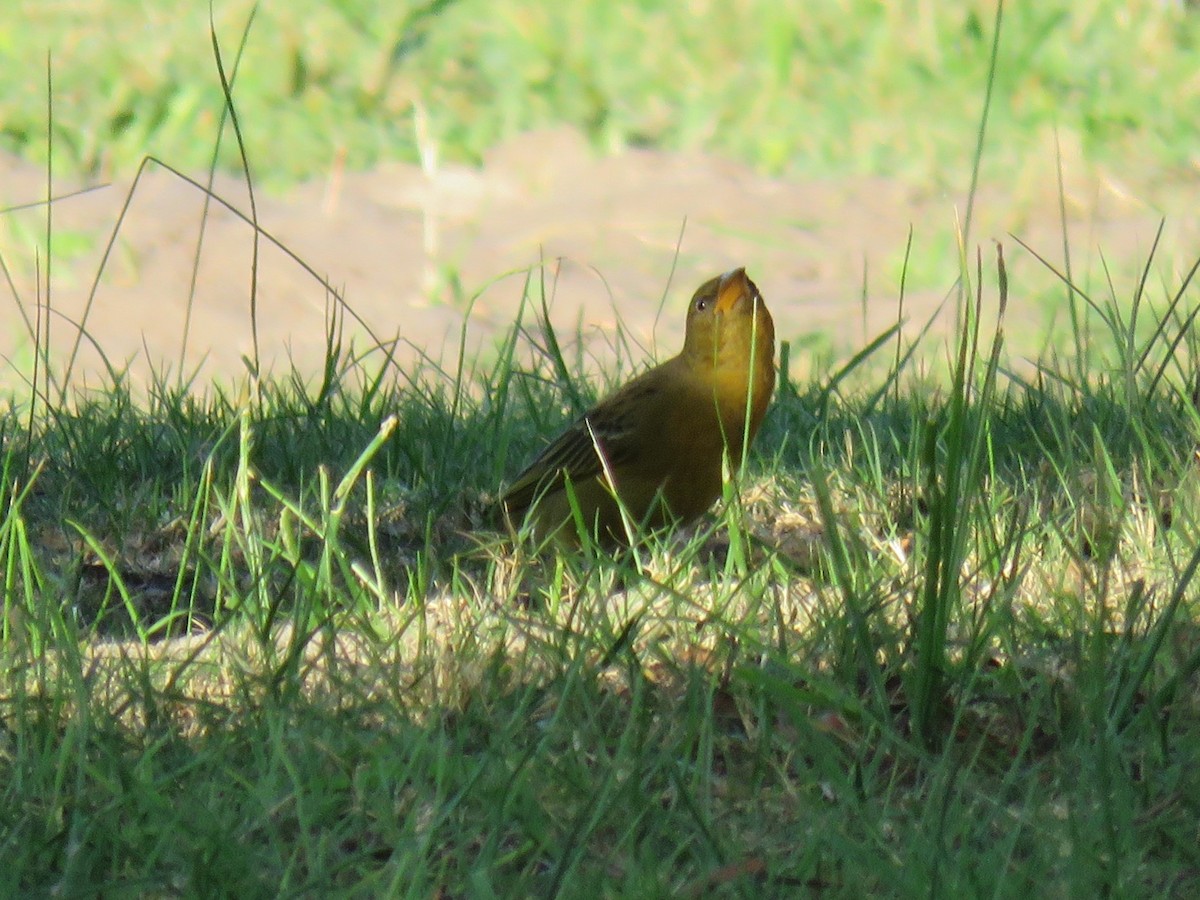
[(609, 227)]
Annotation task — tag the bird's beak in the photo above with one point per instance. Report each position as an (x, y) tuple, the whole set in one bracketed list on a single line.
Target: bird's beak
[(730, 289)]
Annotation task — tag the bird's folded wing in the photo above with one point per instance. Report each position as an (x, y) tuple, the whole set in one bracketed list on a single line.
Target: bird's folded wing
[(575, 454)]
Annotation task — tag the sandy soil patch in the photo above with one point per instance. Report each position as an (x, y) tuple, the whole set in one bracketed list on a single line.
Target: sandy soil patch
[(609, 227)]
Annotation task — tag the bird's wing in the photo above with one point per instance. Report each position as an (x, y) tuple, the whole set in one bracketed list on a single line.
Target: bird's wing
[(610, 426)]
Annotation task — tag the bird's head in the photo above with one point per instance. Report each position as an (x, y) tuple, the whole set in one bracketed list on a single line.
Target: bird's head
[(728, 324)]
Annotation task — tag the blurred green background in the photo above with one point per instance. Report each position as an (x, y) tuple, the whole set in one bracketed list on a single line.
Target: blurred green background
[(802, 88)]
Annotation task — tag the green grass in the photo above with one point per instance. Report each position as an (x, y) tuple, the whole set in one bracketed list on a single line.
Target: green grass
[(813, 89), (940, 641), (945, 642)]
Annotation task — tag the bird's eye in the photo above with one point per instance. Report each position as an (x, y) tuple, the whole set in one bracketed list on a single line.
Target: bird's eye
[(702, 303)]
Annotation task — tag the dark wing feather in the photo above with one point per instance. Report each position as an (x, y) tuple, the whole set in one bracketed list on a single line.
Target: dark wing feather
[(573, 453)]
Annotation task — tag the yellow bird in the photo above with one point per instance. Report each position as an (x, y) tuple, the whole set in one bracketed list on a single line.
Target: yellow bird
[(658, 442)]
